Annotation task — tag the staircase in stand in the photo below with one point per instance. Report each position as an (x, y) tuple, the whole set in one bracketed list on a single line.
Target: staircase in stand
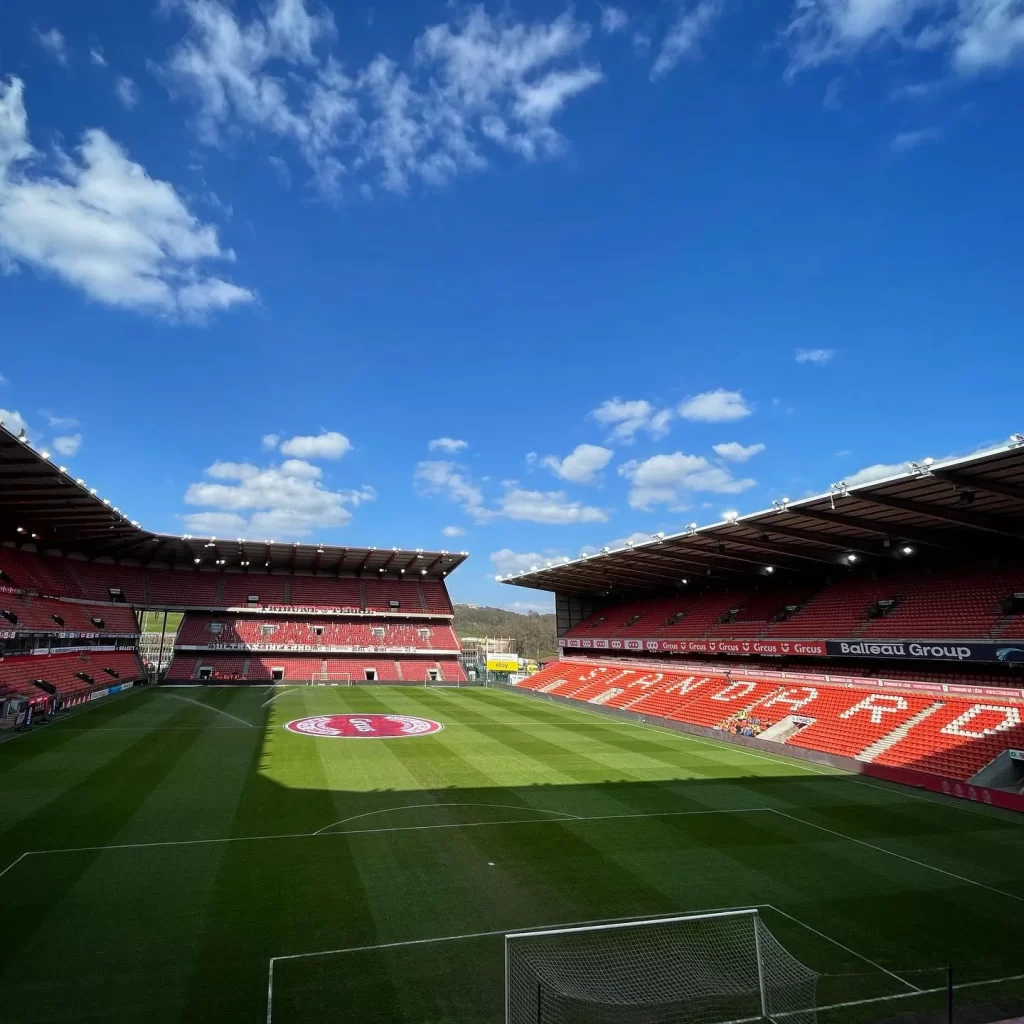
[(879, 747)]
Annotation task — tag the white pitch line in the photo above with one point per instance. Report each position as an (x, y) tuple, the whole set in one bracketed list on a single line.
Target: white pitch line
[(200, 704), (601, 921), (12, 864), (393, 828), (900, 856), (416, 807), (283, 693), (906, 995), (836, 942)]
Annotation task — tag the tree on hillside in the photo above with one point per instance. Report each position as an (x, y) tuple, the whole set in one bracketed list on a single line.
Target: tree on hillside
[(534, 634)]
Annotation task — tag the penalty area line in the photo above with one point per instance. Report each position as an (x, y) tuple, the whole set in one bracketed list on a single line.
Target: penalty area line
[(416, 807), (216, 711)]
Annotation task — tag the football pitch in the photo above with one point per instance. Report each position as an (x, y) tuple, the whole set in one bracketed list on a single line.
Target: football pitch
[(179, 855)]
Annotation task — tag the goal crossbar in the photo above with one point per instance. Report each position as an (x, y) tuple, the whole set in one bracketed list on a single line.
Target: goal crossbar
[(640, 922)]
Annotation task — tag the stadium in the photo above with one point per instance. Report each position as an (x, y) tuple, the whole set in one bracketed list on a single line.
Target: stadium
[(775, 773)]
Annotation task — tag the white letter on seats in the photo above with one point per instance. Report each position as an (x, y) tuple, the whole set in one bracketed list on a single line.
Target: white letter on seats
[(794, 702), (869, 703), (1011, 717), (725, 695)]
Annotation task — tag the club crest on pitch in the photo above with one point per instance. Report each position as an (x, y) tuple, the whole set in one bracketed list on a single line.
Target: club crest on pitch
[(363, 727)]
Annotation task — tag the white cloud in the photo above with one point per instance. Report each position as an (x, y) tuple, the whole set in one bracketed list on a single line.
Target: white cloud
[(817, 356), (684, 37), (14, 421), (532, 607), (329, 445), (551, 507), (102, 225), (451, 481), (68, 444), (904, 142), (3, 379), (876, 472), (581, 465), (446, 444), (990, 35), (478, 82), (52, 41), (270, 441), (733, 451), (96, 56), (506, 560), (127, 92), (978, 35), (718, 406), (285, 501), (628, 417), (637, 537), (453, 531), (59, 422), (670, 479), (613, 19)]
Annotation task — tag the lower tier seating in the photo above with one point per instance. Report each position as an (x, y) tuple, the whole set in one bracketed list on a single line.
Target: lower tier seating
[(64, 672), (951, 737), (272, 667)]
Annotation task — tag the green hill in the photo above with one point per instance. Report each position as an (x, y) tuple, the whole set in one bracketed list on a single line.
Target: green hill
[(534, 634)]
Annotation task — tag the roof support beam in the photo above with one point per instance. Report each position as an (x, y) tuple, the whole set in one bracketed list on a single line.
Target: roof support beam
[(973, 520), (965, 482), (765, 544), (894, 533), (861, 547)]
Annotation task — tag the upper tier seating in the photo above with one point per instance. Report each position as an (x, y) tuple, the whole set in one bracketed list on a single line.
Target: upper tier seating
[(41, 614), (205, 588), (60, 670), (952, 737), (912, 604), (198, 630)]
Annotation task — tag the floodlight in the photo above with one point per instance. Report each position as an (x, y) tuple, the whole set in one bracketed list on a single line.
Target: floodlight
[(21, 529), (906, 550), (63, 469), (852, 558), (769, 569), (1016, 440), (196, 560), (45, 454), (498, 578), (80, 482)]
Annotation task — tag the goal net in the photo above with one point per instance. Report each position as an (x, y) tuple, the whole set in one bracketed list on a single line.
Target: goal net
[(717, 968), (331, 679)]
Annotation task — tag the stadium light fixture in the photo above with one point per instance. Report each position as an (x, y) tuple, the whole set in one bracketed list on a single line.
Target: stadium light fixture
[(106, 501), (659, 537), (21, 529), (684, 582), (769, 569), (80, 482), (45, 454), (63, 469), (1016, 440), (605, 550), (23, 438), (92, 490), (135, 522), (852, 558), (731, 517), (35, 536), (780, 504), (498, 579), (691, 529), (907, 550), (196, 561), (423, 572)]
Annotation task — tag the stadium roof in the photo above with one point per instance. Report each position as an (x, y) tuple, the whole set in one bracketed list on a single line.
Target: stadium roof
[(43, 505), (968, 506)]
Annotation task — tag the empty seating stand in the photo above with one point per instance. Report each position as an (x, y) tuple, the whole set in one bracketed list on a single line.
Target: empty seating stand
[(292, 668), (61, 671)]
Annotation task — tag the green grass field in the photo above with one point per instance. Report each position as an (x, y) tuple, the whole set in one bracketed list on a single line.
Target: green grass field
[(161, 853), (153, 622)]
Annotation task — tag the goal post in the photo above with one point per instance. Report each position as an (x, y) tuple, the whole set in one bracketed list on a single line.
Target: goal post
[(331, 679), (723, 967)]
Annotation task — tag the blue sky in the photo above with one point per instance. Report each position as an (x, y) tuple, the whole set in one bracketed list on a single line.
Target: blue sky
[(516, 279)]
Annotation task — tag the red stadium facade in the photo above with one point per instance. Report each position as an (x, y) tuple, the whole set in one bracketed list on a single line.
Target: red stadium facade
[(76, 576), (881, 624)]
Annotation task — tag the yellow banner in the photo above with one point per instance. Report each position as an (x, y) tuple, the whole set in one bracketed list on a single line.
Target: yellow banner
[(502, 663)]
